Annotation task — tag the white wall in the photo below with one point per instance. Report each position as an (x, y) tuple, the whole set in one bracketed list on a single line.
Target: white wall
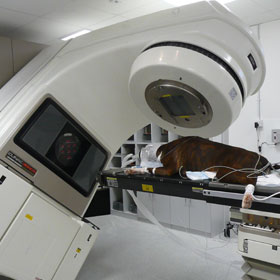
[(14, 54), (242, 133)]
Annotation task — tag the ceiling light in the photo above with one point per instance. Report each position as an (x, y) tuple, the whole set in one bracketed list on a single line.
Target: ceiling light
[(178, 3), (75, 35)]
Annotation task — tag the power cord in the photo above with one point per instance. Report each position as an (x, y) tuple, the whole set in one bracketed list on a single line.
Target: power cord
[(259, 145), (265, 198), (230, 227), (257, 126)]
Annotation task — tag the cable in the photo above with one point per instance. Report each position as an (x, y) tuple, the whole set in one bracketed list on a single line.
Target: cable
[(261, 170), (259, 146), (258, 161), (250, 170), (257, 126), (243, 170), (268, 144), (258, 141), (249, 197), (265, 198)]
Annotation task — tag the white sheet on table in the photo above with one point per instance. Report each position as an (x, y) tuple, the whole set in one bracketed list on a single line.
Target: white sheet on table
[(270, 180), (200, 175)]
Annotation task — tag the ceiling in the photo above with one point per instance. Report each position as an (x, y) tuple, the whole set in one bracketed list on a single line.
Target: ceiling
[(47, 21)]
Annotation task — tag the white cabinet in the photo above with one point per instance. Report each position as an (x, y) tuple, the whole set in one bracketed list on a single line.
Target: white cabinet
[(37, 240), (194, 215), (9, 189), (158, 205), (200, 215), (179, 211), (197, 215), (206, 217), (161, 207)]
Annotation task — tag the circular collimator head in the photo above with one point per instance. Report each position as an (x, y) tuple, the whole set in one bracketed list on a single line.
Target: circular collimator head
[(178, 104), (185, 91)]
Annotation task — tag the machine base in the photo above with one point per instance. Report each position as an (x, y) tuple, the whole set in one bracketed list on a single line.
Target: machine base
[(258, 270)]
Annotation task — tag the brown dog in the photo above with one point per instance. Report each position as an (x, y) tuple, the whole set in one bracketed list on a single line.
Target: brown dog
[(197, 154)]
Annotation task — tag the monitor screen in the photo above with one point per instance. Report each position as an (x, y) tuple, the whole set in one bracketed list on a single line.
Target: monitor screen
[(62, 145)]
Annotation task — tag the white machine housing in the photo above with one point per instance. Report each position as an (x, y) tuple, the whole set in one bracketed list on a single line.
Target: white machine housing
[(40, 239), (213, 62), (259, 244), (101, 84), (100, 81)]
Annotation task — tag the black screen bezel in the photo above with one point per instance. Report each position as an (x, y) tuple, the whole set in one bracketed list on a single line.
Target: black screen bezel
[(18, 140)]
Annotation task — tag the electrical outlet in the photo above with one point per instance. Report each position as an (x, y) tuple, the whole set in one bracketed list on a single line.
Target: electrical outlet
[(275, 136)]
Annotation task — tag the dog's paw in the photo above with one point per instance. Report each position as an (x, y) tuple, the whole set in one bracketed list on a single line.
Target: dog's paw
[(136, 170)]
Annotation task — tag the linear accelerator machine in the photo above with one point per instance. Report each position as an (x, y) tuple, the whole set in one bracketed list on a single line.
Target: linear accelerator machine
[(189, 70)]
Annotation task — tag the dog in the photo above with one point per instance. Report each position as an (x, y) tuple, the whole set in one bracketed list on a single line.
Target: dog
[(194, 153)]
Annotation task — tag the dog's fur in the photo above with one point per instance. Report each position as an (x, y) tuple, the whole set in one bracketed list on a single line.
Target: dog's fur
[(196, 154)]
